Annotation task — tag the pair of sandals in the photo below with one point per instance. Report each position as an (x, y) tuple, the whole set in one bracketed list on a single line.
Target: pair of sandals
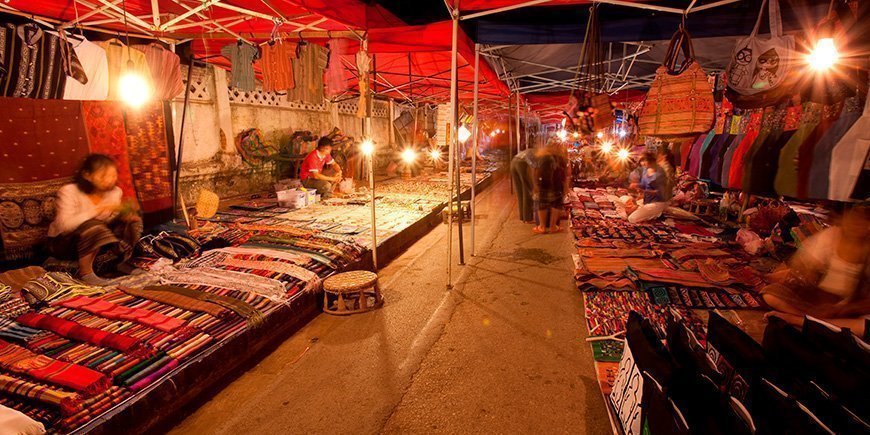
[(539, 230)]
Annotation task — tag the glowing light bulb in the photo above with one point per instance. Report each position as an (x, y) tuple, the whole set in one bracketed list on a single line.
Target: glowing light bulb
[(367, 147), (824, 56), (600, 135), (576, 135), (492, 134), (463, 134), (622, 133), (435, 154), (622, 154), (606, 147), (562, 134), (409, 155), (133, 88)]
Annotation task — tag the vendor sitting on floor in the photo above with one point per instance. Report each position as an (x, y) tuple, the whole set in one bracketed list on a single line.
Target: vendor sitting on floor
[(92, 219), (311, 173), (657, 191), (828, 277)]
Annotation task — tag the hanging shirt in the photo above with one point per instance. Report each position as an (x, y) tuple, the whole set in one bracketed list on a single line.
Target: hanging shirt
[(242, 56), (95, 66), (165, 70), (33, 62), (849, 158), (785, 182), (830, 113), (118, 55), (276, 63), (821, 164)]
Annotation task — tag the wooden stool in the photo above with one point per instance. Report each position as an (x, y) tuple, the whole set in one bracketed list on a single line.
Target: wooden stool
[(349, 293)]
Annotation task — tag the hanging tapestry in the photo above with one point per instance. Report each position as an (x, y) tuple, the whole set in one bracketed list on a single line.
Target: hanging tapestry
[(104, 126), (26, 211), (148, 149)]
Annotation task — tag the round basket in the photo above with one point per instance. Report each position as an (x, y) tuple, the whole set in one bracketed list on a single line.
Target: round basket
[(350, 281)]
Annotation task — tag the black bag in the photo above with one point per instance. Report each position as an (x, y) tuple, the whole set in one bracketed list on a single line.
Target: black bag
[(738, 357)]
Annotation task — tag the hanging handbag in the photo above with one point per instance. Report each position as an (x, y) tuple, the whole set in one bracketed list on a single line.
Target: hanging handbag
[(590, 110), (680, 99)]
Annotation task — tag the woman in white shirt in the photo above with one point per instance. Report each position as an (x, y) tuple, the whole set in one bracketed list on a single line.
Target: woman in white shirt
[(829, 277), (92, 219)]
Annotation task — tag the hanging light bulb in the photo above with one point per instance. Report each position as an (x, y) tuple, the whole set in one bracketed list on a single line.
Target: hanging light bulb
[(435, 153), (622, 154), (621, 133), (409, 155), (133, 88), (824, 55), (600, 135), (606, 147), (367, 147), (562, 134), (576, 135), (492, 134), (463, 134)]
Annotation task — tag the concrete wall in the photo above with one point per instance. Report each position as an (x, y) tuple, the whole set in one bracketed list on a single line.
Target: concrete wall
[(216, 114)]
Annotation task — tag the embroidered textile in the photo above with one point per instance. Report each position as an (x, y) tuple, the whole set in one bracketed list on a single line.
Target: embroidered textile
[(104, 126), (179, 301), (251, 314), (68, 403), (56, 285), (148, 148), (34, 62), (73, 330), (44, 369), (267, 287), (109, 310)]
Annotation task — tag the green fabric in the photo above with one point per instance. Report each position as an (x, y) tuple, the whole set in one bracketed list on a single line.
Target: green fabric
[(607, 350), (787, 174)]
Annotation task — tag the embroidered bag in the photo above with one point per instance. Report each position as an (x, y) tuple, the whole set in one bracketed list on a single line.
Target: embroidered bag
[(680, 99)]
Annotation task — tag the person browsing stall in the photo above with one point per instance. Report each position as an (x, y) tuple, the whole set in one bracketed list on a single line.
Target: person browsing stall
[(93, 220), (311, 173), (657, 191)]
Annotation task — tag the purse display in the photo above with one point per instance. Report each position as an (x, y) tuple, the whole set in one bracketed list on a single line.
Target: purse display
[(680, 99)]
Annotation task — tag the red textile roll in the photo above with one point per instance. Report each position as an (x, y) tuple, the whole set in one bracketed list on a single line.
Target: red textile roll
[(42, 368), (97, 337)]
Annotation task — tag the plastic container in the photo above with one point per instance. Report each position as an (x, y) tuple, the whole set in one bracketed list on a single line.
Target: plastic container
[(292, 198)]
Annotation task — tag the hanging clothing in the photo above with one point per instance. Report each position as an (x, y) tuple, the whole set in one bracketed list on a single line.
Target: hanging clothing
[(308, 72), (276, 63), (119, 56), (334, 76), (93, 60), (830, 113), (820, 169), (785, 182), (765, 160), (735, 173), (165, 67), (849, 158), (33, 61), (242, 56), (697, 152)]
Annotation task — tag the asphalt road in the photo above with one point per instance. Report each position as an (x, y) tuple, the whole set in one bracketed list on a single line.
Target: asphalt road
[(502, 352)]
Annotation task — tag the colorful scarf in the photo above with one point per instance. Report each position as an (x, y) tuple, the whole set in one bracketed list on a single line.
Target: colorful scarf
[(179, 301), (42, 368), (69, 403), (267, 287), (56, 285), (112, 311), (251, 314), (12, 330), (97, 337), (13, 307)]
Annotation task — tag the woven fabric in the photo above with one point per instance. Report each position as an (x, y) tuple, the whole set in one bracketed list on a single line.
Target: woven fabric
[(179, 301), (104, 125), (12, 330), (75, 331), (148, 149), (109, 310), (678, 105), (276, 62), (251, 314), (26, 211), (66, 401), (57, 285), (42, 368)]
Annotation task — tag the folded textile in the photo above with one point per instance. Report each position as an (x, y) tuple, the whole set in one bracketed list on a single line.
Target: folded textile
[(12, 330), (662, 275), (621, 253), (13, 307), (692, 253), (97, 337), (18, 277), (56, 285), (42, 368), (269, 288), (181, 297), (13, 422), (180, 301), (68, 403), (112, 311)]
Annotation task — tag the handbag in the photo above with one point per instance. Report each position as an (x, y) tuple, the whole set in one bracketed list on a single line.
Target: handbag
[(760, 69), (680, 99)]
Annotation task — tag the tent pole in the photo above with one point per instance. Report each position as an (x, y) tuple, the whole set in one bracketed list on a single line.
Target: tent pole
[(367, 134), (518, 123), (180, 152), (474, 136), (451, 141), (457, 159)]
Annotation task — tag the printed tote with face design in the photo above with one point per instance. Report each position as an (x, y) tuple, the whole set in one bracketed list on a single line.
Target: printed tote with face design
[(761, 64)]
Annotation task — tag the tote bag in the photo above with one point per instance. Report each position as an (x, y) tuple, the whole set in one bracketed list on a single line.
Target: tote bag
[(760, 67), (680, 100)]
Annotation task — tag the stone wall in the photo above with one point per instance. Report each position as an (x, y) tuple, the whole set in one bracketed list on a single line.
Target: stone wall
[(216, 114)]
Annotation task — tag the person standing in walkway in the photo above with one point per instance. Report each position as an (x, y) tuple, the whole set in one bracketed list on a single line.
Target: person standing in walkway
[(656, 192), (551, 184), (522, 175), (311, 174)]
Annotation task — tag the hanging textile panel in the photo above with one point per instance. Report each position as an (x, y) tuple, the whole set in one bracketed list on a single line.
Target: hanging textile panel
[(42, 143), (308, 70), (148, 148), (104, 124)]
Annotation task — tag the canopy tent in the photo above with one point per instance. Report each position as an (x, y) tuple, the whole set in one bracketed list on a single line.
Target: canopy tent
[(550, 106)]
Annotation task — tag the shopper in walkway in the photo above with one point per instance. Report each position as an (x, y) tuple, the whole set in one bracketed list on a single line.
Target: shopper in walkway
[(829, 276), (93, 220), (312, 171), (656, 191), (522, 174), (551, 184)]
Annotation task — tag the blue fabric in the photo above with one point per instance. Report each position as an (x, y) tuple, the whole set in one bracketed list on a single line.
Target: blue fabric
[(821, 166), (654, 186)]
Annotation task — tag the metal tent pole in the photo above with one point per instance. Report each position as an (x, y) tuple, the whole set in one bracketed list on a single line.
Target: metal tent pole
[(474, 135), (518, 123), (451, 132), (367, 126), (180, 152)]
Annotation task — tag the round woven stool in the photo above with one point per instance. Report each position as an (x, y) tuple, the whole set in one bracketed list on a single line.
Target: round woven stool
[(351, 293)]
